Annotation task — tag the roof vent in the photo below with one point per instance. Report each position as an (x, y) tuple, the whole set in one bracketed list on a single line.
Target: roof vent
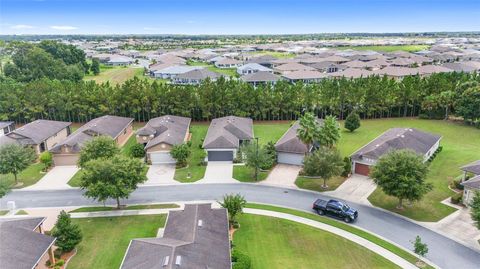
[(178, 260), (402, 136), (200, 223), (166, 260)]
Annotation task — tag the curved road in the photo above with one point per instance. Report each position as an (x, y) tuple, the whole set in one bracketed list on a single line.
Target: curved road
[(443, 251)]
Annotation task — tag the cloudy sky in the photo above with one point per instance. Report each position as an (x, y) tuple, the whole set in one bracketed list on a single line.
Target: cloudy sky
[(236, 17)]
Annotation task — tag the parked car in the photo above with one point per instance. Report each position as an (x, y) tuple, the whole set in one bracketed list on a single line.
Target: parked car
[(335, 209)]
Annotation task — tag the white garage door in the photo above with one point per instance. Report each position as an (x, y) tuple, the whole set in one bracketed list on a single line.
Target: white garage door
[(161, 157), (290, 158)]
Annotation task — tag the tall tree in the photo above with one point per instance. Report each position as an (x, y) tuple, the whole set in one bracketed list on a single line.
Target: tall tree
[(475, 209), (234, 203), (352, 122), (420, 248), (99, 147), (468, 105), (114, 178), (95, 67), (329, 133), (402, 174), (15, 158), (324, 163), (309, 129), (68, 234), (257, 157)]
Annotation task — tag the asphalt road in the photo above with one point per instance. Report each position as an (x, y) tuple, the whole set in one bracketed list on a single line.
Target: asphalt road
[(443, 251)]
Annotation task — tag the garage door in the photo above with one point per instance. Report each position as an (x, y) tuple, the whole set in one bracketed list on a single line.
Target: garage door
[(161, 157), (362, 169), (290, 158), (220, 156), (61, 160)]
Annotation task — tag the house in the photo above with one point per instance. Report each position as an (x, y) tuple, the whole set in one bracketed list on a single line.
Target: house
[(426, 70), (396, 72), (251, 68), (265, 60), (352, 73), (327, 67), (195, 237), (422, 143), (6, 127), (471, 185), (225, 136), (67, 151), (160, 134), (467, 67), (304, 76), (118, 60), (174, 70), (290, 67), (23, 244), (41, 135), (196, 77), (290, 149), (260, 77), (228, 63)]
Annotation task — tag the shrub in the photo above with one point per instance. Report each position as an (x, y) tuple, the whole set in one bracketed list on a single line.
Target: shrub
[(46, 159), (137, 151), (60, 262), (347, 167), (181, 153), (456, 198), (456, 184), (240, 260), (352, 122)]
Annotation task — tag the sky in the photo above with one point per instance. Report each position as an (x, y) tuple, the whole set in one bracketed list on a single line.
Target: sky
[(236, 17)]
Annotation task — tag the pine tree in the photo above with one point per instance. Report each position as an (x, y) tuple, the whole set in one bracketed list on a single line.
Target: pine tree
[(67, 233), (352, 122)]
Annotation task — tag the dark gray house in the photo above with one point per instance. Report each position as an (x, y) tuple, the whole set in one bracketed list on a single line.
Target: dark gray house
[(194, 238), (422, 143), (290, 149), (23, 245), (225, 136)]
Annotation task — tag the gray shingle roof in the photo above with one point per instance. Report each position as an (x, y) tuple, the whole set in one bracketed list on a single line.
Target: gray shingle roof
[(473, 183), (290, 142), (227, 131), (4, 124), (107, 125), (166, 129), (20, 246), (38, 131), (473, 167), (397, 139), (199, 74), (260, 76), (199, 246)]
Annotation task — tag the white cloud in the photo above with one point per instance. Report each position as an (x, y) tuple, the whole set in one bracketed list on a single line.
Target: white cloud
[(22, 26), (63, 27)]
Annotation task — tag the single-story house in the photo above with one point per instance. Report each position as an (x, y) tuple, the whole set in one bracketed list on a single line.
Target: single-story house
[(291, 67), (228, 63), (252, 68), (466, 67), (260, 77), (328, 67), (396, 72), (290, 149), (195, 237), (67, 151), (160, 134), (305, 76), (6, 127), (225, 136), (265, 60), (424, 144), (470, 185), (41, 135), (23, 244), (426, 70), (119, 60), (352, 73), (196, 77), (173, 71)]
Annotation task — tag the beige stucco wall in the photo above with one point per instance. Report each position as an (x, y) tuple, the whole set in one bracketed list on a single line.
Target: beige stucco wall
[(55, 139), (143, 139)]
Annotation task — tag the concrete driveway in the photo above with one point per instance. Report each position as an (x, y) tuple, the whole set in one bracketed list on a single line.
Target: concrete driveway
[(56, 179), (218, 172), (356, 188), (160, 174), (283, 175)]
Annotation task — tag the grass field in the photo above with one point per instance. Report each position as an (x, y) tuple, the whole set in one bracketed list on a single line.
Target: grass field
[(408, 48), (276, 54), (3, 212), (195, 166), (246, 174), (131, 207), (29, 176), (21, 213), (105, 240), (270, 131), (117, 74), (315, 184), (277, 243), (231, 72), (461, 145)]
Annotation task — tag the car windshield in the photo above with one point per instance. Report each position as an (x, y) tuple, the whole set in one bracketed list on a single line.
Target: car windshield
[(345, 208)]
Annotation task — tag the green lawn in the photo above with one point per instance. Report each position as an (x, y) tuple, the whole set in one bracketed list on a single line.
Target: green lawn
[(408, 48), (75, 180), (21, 212), (246, 174), (195, 167), (368, 236), (117, 74), (461, 145), (130, 142), (315, 184), (131, 207), (278, 243), (231, 72), (105, 240), (3, 212), (276, 54), (29, 176), (270, 131)]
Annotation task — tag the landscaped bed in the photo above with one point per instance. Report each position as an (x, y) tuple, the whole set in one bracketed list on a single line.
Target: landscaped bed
[(105, 240), (131, 207)]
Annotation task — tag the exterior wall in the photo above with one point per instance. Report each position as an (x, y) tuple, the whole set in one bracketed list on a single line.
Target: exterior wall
[(207, 150), (143, 139), (57, 138), (431, 151), (160, 147), (468, 195), (65, 159), (290, 158), (125, 135)]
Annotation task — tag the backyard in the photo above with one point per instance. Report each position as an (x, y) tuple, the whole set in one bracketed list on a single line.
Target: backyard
[(117, 74), (231, 72)]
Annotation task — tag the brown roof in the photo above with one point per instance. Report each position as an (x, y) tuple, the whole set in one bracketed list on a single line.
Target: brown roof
[(394, 71), (261, 76), (304, 74), (352, 73), (293, 67)]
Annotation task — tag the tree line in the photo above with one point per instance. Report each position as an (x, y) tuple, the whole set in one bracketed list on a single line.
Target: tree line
[(372, 97)]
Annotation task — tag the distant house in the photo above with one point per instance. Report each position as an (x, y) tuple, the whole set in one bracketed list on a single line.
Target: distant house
[(195, 237), (422, 143), (225, 136), (290, 149), (6, 127), (471, 185), (251, 68), (41, 135), (260, 77), (426, 70), (291, 67), (195, 77), (23, 244), (352, 73), (228, 63), (328, 67), (160, 134), (305, 76), (67, 151), (265, 60), (173, 71), (466, 67), (118, 60), (396, 72), (402, 62)]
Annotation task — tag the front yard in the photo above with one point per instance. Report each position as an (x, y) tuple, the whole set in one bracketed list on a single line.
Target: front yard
[(315, 184), (247, 174), (28, 177), (195, 168), (105, 240)]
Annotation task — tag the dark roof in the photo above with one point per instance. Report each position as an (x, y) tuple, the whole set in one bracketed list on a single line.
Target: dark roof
[(260, 76), (473, 183), (304, 74), (166, 129), (198, 235), (21, 247), (473, 167), (38, 131), (4, 124), (227, 131), (107, 125), (290, 142), (397, 139), (199, 74)]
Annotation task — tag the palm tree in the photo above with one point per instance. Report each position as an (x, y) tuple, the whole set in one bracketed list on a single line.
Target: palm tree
[(308, 130)]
